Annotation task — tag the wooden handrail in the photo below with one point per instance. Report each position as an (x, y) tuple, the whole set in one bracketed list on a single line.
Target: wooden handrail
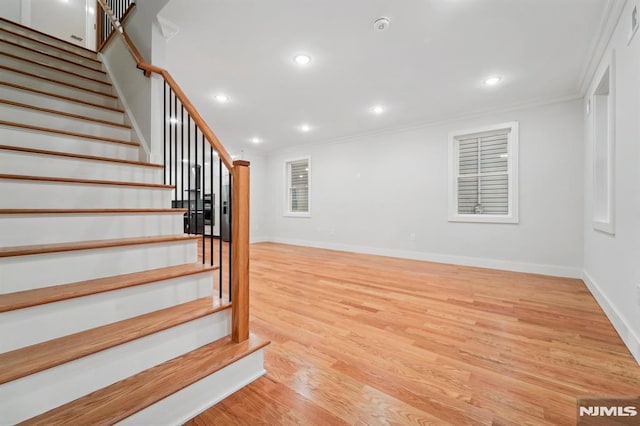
[(149, 69)]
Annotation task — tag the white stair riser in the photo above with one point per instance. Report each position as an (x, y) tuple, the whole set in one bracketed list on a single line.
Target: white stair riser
[(22, 41), (31, 164), (54, 74), (185, 404), (57, 88), (31, 194), (52, 41), (40, 392), (50, 102), (53, 320), (15, 136), (61, 122), (55, 62), (24, 229), (46, 270)]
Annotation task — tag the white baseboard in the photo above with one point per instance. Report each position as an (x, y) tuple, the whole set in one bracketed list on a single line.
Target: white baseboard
[(506, 265), (620, 324), (259, 239)]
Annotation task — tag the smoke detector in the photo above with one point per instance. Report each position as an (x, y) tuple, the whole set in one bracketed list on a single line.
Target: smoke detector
[(381, 24)]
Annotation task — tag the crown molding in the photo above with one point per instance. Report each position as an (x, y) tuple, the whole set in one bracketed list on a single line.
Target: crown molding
[(606, 27), (417, 125)]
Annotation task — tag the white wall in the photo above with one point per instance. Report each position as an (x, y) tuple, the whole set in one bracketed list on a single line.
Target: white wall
[(612, 262), (140, 25), (11, 10), (134, 90), (370, 193), (260, 195), (61, 19)]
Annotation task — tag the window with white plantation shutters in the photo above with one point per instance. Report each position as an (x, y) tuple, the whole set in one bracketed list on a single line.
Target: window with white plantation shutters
[(298, 172), (483, 178)]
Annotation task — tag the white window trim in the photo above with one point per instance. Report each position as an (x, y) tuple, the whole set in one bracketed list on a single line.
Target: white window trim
[(512, 217), (287, 212), (601, 225)]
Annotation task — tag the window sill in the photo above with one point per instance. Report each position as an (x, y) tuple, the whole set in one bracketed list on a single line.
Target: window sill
[(606, 227), (289, 214), (483, 219)]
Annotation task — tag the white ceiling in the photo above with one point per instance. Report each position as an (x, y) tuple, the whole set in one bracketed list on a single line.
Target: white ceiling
[(428, 66)]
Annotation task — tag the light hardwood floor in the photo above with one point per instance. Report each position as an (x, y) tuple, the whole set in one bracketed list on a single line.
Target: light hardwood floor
[(359, 339)]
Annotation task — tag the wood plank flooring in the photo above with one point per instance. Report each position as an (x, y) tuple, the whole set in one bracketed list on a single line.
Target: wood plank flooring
[(359, 339)]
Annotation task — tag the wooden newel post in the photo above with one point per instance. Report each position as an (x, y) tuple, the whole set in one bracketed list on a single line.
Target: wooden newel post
[(99, 13), (240, 251)]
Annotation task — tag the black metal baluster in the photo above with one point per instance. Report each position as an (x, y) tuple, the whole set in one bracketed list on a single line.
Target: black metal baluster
[(188, 190), (230, 230), (202, 194), (175, 120), (221, 201), (211, 204), (170, 118), (182, 159), (196, 193), (164, 135)]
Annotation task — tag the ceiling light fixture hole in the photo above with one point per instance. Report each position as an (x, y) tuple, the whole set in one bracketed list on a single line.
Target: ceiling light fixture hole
[(381, 24)]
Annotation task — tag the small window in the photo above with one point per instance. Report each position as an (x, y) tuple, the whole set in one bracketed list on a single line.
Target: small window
[(298, 174), (603, 119), (483, 178)]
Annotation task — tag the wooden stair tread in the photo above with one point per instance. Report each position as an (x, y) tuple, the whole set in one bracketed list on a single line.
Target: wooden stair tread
[(42, 64), (62, 113), (80, 156), (53, 80), (90, 245), (122, 399), (89, 211), (85, 181), (39, 52), (32, 359), (66, 133), (55, 95), (46, 35), (41, 296), (49, 46)]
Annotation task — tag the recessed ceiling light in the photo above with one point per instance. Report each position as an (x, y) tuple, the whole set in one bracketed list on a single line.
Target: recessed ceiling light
[(492, 81), (174, 120), (305, 128), (378, 109), (222, 98), (302, 59), (256, 140)]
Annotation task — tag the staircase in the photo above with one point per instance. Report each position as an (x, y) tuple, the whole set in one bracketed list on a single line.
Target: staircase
[(106, 315)]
